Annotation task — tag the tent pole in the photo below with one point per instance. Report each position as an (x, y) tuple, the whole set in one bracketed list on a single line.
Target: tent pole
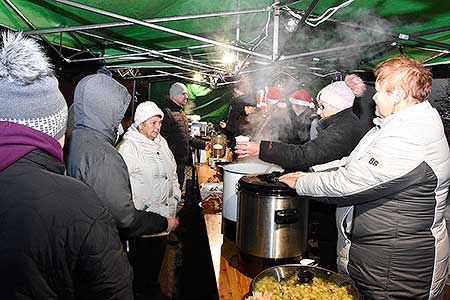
[(300, 24), (29, 24), (179, 76), (161, 28), (431, 31), (153, 20), (155, 53), (238, 34), (310, 53), (276, 31), (151, 76), (133, 100), (86, 49)]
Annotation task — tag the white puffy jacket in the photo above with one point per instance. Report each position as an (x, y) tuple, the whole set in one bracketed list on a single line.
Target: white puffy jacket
[(152, 169), (391, 192)]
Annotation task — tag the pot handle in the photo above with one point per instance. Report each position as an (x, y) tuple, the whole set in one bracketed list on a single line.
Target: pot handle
[(236, 187), (286, 216)]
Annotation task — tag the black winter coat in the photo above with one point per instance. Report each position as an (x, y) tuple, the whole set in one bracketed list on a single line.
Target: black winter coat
[(57, 240), (337, 137), (300, 127), (175, 129)]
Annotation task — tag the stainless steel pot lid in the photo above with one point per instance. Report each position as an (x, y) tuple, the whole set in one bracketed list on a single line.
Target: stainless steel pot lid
[(266, 184)]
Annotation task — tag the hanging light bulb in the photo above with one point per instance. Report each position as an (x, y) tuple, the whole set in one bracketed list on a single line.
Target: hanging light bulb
[(197, 77), (291, 24), (228, 58)]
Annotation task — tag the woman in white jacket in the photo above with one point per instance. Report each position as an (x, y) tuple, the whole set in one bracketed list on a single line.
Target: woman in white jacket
[(150, 163), (154, 185), (391, 191)]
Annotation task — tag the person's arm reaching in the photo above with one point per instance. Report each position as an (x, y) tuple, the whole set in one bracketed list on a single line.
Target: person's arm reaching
[(388, 166), (110, 180)]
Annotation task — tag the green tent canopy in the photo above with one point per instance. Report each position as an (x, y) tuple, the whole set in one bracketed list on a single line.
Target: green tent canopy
[(268, 41), (176, 38)]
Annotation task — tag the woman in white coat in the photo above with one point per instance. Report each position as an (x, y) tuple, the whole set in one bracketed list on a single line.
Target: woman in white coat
[(391, 191), (150, 163), (154, 185)]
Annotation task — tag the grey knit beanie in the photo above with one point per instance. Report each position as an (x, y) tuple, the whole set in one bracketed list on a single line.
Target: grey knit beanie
[(29, 91), (176, 89)]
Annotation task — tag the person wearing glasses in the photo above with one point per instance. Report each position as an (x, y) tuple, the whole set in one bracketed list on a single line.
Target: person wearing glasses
[(392, 190), (339, 131)]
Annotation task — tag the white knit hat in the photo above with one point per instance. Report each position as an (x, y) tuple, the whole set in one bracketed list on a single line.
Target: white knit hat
[(145, 111), (29, 93), (341, 94)]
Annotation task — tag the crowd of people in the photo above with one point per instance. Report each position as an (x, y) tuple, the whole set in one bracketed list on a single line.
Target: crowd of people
[(65, 217)]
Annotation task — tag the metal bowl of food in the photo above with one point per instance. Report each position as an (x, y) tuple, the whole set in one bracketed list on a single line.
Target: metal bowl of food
[(294, 281)]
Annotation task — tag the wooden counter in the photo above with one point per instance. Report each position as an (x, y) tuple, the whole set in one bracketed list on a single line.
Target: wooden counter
[(231, 284)]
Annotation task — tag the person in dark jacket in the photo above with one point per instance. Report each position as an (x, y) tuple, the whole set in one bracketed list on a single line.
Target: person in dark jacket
[(99, 105), (175, 129), (301, 115), (57, 239), (339, 131), (240, 97)]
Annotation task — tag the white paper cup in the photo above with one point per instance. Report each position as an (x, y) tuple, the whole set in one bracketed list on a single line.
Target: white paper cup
[(242, 138)]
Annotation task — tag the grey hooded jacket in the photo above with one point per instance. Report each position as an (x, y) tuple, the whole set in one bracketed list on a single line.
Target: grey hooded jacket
[(99, 105)]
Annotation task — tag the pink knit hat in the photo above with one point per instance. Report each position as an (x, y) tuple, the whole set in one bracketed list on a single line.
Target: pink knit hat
[(341, 94), (301, 97)]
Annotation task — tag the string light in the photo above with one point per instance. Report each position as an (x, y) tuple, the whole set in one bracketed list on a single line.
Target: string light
[(197, 77), (228, 58)]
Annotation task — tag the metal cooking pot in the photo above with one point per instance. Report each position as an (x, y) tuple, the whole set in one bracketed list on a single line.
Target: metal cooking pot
[(282, 272), (231, 175), (272, 220)]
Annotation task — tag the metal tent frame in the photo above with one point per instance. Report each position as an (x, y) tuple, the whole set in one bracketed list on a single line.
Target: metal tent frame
[(185, 61)]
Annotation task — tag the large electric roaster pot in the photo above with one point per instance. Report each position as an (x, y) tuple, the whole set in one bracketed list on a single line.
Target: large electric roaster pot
[(231, 175), (283, 272), (272, 223), (272, 219)]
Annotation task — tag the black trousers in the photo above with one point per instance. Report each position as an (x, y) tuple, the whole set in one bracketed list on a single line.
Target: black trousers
[(322, 227), (147, 255), (180, 173)]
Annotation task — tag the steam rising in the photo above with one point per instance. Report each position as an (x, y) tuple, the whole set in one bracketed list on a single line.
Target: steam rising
[(314, 68)]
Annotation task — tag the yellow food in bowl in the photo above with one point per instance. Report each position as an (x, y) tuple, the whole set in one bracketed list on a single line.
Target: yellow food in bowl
[(317, 289)]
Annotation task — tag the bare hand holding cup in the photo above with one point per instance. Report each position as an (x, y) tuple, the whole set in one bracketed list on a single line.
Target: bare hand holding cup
[(245, 148)]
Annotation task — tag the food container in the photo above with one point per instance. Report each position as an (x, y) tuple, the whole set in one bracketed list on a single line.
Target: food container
[(209, 188), (219, 146), (231, 175), (269, 215), (286, 272)]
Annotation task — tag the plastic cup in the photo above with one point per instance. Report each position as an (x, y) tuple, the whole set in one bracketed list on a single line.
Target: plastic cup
[(242, 138)]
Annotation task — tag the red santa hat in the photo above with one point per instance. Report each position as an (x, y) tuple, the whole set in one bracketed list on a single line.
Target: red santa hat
[(273, 94), (301, 97)]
